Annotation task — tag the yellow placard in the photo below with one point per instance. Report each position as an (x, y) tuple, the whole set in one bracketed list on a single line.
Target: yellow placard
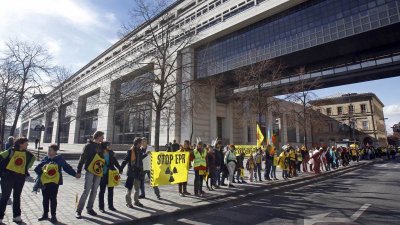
[(113, 178), (17, 162), (96, 166), (246, 149), (50, 174), (169, 168)]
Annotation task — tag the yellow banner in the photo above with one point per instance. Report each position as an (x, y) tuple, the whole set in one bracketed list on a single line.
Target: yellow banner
[(169, 168), (246, 149)]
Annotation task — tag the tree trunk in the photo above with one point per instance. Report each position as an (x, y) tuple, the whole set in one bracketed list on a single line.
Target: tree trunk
[(157, 129), (192, 124), (18, 110), (58, 126)]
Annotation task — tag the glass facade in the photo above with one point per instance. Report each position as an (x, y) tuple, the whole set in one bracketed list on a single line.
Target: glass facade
[(312, 23), (48, 127), (88, 117), (132, 117)]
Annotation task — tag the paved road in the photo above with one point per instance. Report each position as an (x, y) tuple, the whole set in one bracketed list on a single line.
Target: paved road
[(369, 195)]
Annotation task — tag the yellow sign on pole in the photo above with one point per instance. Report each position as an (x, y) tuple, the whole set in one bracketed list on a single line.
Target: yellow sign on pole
[(169, 168)]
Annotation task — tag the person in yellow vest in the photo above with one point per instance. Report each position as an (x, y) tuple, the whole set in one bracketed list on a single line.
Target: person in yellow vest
[(299, 160), (14, 165), (92, 159), (292, 162), (274, 160), (200, 167), (250, 165), (49, 171), (283, 162), (183, 186)]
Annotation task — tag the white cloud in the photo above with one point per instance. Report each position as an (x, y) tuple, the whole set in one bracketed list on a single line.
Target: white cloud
[(65, 9), (74, 33), (391, 110)]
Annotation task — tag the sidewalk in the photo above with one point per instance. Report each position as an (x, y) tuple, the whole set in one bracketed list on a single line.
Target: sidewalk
[(170, 204)]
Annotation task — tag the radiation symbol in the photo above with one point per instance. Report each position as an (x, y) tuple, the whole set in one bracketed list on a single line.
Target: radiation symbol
[(171, 173), (51, 172), (98, 166), (19, 161)]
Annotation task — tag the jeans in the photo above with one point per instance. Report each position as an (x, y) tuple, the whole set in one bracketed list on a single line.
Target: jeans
[(136, 186), (49, 192), (267, 170), (14, 184), (182, 187), (198, 182), (273, 172), (258, 171), (231, 168), (217, 176), (110, 197), (92, 182)]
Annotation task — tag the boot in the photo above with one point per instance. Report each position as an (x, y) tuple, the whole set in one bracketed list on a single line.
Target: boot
[(45, 216)]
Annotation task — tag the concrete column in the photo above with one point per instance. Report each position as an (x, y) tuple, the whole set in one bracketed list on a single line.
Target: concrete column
[(29, 128), (270, 121), (42, 133), (55, 128), (297, 132), (213, 115), (229, 123), (186, 97), (106, 110), (74, 124), (283, 133)]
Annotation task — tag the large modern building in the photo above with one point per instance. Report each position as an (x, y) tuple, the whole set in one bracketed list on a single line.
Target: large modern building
[(336, 41), (362, 113)]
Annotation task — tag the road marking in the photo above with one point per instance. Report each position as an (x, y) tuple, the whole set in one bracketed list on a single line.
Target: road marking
[(357, 214), (183, 220), (323, 217)]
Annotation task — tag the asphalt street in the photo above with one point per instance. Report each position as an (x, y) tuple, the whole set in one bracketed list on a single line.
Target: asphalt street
[(369, 195)]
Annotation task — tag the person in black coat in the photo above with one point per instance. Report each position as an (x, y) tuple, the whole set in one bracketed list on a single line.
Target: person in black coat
[(134, 159), (111, 164)]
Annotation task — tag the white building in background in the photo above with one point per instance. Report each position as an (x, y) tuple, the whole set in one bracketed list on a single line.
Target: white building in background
[(229, 34)]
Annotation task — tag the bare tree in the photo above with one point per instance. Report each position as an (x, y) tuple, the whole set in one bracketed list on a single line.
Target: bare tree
[(8, 87), (30, 62), (301, 92), (159, 56), (257, 86)]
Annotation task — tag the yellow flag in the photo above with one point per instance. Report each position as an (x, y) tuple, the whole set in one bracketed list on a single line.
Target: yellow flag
[(260, 136)]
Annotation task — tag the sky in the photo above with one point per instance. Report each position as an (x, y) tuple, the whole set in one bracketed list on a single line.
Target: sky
[(75, 32)]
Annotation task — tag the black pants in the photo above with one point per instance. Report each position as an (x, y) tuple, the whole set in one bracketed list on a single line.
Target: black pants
[(14, 184), (110, 197), (49, 192), (182, 187), (198, 182)]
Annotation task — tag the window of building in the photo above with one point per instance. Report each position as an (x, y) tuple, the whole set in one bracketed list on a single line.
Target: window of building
[(365, 125), (351, 109), (340, 110), (329, 111), (330, 127), (363, 108), (319, 110)]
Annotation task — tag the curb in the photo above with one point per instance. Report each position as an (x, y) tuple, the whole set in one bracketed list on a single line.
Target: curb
[(247, 192)]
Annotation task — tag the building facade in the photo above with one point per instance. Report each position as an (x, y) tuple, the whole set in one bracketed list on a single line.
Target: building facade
[(362, 113), (230, 34)]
